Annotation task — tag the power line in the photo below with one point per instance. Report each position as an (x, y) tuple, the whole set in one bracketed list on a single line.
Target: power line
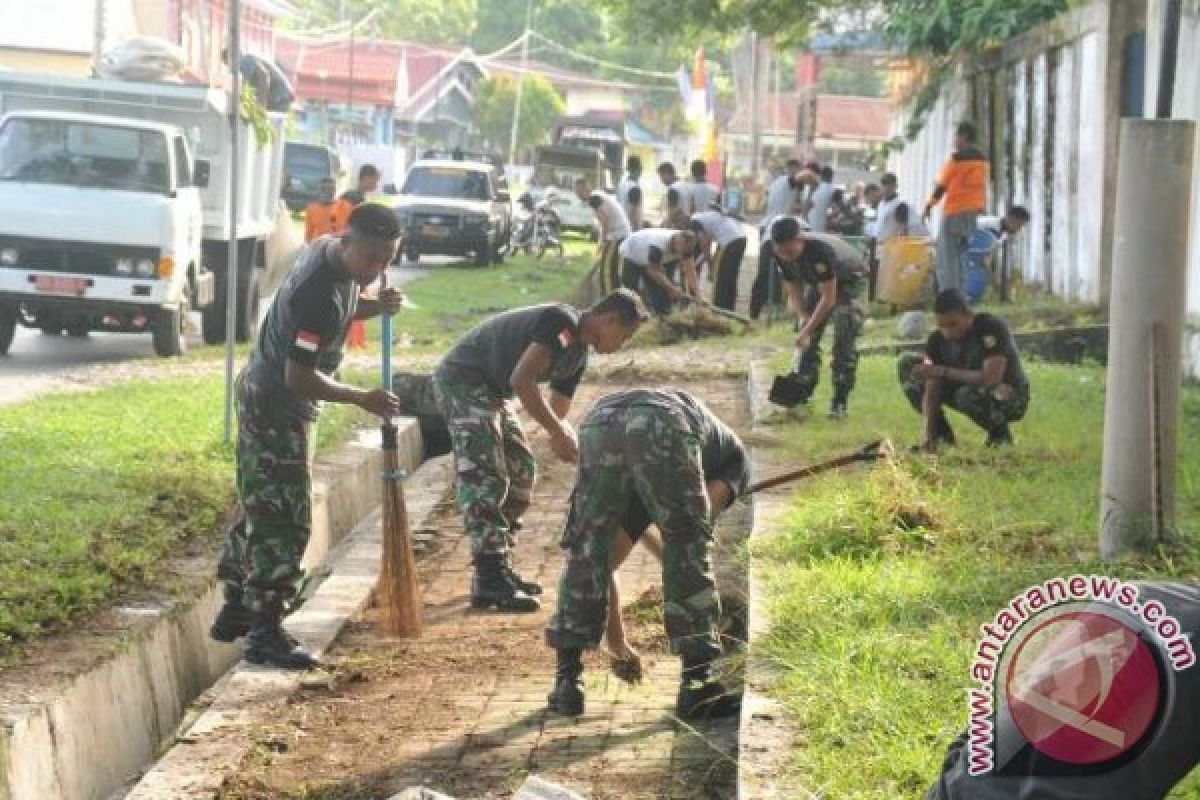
[(649, 73)]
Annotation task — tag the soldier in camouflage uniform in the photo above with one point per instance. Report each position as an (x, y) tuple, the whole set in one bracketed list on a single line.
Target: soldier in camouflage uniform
[(646, 456), (278, 399), (475, 384), (970, 364), (824, 279)]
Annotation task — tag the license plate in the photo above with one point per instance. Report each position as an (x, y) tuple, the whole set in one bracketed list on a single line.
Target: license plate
[(55, 284), (435, 230)]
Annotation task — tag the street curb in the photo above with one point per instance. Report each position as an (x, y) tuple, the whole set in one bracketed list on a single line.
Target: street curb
[(218, 741), (87, 734), (765, 734)]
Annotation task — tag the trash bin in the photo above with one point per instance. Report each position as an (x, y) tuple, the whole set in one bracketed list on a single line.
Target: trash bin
[(976, 275)]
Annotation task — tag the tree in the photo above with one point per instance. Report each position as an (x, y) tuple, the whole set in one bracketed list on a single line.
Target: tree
[(851, 80), (431, 21), (541, 106)]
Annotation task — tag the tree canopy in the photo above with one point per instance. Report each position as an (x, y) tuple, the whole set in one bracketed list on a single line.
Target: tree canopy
[(494, 104)]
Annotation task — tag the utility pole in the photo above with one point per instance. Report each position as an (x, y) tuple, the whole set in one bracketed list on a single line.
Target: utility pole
[(512, 140), (231, 267), (98, 35), (755, 107)]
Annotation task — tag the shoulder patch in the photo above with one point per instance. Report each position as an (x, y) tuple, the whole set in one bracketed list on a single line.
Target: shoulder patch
[(306, 340), (565, 338), (989, 340), (821, 268)]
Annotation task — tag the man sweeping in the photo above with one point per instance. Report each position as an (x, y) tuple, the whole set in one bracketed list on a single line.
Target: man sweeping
[(715, 227), (510, 355), (279, 395), (614, 228), (660, 456)]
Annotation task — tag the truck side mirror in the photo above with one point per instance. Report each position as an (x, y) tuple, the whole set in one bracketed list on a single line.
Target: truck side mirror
[(201, 174)]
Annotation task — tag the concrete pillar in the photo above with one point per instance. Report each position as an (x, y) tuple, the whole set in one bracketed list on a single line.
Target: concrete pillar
[(1155, 171)]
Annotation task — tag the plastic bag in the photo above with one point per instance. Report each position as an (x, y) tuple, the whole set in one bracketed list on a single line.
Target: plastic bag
[(143, 58)]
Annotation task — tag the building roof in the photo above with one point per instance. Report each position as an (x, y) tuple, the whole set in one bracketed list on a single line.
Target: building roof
[(838, 116)]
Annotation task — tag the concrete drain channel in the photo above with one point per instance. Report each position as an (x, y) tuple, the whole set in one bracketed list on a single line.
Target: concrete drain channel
[(89, 735)]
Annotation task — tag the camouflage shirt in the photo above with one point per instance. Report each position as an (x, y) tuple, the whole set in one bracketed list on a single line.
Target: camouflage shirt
[(489, 353), (307, 323), (723, 455)]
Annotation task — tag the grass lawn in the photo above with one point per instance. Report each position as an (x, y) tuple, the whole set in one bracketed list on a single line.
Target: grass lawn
[(880, 578), (100, 488)]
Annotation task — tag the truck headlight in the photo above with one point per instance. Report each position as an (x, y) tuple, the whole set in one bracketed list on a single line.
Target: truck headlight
[(124, 266), (9, 256), (146, 267)]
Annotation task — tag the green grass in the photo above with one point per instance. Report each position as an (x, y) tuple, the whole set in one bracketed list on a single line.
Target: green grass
[(100, 488), (453, 298), (879, 578)]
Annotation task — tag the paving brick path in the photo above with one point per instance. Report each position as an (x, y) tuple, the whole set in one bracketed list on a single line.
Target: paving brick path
[(462, 708)]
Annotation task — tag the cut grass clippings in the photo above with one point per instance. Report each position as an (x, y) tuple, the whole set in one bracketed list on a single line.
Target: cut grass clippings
[(879, 578)]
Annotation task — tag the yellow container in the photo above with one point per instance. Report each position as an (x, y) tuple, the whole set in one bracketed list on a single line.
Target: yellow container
[(905, 269)]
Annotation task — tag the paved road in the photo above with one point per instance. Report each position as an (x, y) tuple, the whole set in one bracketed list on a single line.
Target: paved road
[(38, 363)]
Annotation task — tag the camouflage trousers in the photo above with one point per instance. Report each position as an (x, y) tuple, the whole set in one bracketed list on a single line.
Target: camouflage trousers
[(847, 322), (628, 454), (274, 482), (977, 403), (495, 467)]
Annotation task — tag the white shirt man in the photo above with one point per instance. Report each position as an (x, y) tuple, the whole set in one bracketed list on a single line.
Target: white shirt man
[(614, 223), (629, 194), (782, 197), (718, 228), (819, 202)]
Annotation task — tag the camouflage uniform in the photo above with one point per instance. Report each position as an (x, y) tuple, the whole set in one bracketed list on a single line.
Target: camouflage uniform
[(977, 403), (496, 467), (641, 449), (274, 481), (827, 257)]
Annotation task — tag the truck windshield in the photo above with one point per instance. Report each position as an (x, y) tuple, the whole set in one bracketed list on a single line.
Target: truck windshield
[(307, 164), (71, 153), (456, 182)]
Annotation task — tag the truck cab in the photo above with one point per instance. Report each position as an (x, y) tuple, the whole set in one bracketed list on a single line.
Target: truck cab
[(101, 225)]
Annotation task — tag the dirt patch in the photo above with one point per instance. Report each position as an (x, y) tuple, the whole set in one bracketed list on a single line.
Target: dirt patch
[(462, 709)]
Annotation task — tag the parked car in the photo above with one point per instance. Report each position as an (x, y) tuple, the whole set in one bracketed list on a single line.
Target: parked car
[(454, 208), (304, 167), (575, 215)]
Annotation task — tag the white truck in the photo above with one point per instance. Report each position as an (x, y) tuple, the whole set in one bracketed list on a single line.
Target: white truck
[(114, 208)]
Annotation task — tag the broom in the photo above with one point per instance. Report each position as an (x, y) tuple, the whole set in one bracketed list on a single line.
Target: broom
[(399, 595)]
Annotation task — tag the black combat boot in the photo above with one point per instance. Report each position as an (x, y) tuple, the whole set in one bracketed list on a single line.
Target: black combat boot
[(568, 698), (1000, 436), (943, 431), (269, 644), (528, 587), (700, 695), (493, 587), (233, 620), (838, 408)]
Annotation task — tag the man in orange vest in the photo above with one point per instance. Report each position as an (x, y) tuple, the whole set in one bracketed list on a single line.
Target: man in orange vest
[(327, 215), (963, 183)]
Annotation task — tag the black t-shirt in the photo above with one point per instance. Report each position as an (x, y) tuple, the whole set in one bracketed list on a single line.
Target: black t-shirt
[(307, 323), (355, 197), (988, 336), (825, 258), (489, 353)]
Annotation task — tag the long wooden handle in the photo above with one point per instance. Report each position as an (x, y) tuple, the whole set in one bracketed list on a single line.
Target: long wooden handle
[(871, 452)]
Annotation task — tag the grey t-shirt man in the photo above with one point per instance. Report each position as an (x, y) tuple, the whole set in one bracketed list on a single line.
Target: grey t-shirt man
[(307, 323), (821, 199), (487, 355)]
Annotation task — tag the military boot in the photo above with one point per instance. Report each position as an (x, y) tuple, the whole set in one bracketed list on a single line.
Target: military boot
[(528, 587), (568, 698), (269, 644), (234, 620), (492, 586), (701, 696)]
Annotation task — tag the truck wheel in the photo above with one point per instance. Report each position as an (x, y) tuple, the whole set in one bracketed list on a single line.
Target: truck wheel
[(248, 306), (79, 330), (498, 253), (170, 328), (8, 328), (483, 256), (412, 255)]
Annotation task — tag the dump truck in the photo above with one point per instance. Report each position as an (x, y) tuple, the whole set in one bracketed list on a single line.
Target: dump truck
[(114, 208)]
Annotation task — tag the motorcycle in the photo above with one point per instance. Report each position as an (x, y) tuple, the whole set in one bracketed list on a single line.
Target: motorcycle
[(538, 231)]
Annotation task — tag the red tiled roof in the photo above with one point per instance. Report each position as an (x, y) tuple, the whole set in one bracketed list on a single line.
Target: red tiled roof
[(838, 116)]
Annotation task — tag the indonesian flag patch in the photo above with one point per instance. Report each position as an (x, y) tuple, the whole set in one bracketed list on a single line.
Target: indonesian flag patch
[(565, 338), (307, 340)]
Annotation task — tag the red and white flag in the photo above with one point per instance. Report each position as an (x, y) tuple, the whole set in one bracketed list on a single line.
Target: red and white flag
[(306, 340)]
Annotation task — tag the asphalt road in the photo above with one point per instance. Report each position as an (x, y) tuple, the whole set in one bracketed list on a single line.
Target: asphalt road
[(37, 363)]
